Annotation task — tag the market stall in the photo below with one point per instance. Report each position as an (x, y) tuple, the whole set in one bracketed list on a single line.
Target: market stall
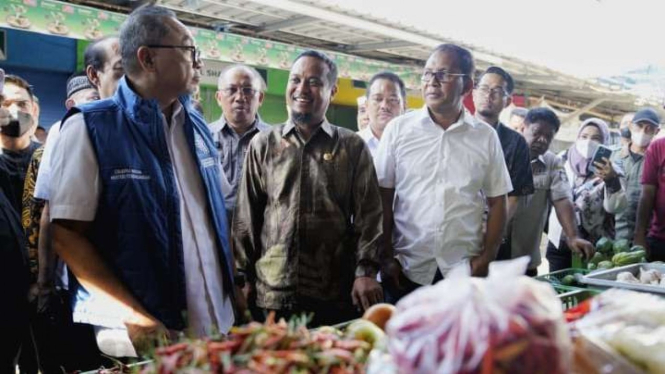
[(603, 317)]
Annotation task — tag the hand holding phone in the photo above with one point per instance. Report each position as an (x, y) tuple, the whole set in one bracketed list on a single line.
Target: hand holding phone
[(601, 165)]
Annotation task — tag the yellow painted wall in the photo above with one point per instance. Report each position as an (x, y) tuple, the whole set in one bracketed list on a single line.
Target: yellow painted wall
[(347, 95)]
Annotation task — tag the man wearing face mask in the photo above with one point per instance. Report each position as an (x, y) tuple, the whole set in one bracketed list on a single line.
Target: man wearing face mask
[(624, 128), (630, 158), (50, 323), (15, 137), (597, 195), (13, 267)]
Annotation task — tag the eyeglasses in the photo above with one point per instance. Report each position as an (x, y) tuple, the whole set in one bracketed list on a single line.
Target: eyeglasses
[(494, 92), (441, 76), (231, 91), (195, 52)]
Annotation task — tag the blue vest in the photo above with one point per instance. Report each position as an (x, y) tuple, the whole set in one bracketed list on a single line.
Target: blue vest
[(137, 225)]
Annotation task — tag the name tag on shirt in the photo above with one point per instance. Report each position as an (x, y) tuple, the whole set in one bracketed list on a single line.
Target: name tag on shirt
[(208, 162), (129, 173)]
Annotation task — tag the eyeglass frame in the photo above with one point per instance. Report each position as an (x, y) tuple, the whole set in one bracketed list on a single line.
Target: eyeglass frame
[(242, 89), (442, 76), (486, 90), (195, 52)]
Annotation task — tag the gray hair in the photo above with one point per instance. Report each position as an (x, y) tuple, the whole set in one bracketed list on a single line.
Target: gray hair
[(145, 25), (256, 76)]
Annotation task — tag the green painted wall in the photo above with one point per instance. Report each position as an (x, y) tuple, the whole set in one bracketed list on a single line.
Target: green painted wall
[(273, 110), (80, 51)]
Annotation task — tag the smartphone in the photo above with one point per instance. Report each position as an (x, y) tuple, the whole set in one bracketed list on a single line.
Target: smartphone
[(601, 152)]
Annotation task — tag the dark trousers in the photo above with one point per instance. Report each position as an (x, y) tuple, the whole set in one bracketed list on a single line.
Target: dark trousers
[(13, 328), (559, 259), (406, 286), (657, 249)]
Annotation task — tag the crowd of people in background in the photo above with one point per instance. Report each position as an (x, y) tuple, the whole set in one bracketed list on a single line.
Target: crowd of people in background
[(134, 221)]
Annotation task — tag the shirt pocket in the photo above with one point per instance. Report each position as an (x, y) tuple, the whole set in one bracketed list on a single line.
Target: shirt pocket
[(541, 181)]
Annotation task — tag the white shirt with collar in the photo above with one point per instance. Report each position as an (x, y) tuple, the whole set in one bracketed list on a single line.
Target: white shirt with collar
[(370, 139), (74, 195), (441, 178)]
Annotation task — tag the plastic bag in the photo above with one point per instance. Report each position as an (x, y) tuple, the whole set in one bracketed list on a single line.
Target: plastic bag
[(631, 324), (505, 323)]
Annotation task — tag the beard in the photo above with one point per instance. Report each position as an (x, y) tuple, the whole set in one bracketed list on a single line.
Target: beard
[(301, 118), (486, 112)]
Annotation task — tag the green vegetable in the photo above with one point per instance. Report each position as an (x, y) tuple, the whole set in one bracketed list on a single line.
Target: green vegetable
[(605, 265), (597, 258), (568, 280), (592, 266), (627, 258), (604, 245), (636, 248), (620, 246)]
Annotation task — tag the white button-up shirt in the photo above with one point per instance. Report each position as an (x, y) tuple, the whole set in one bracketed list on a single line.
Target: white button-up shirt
[(74, 194), (441, 178), (371, 140)]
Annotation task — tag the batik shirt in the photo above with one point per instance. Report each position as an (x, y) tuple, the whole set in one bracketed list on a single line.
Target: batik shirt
[(308, 215)]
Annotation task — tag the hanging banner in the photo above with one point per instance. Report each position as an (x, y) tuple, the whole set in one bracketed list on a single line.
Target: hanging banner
[(81, 22)]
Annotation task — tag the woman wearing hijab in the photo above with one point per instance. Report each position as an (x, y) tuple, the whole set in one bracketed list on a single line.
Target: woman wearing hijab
[(597, 195)]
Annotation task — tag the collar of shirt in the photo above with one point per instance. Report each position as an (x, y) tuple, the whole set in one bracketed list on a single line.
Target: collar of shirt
[(177, 116), (540, 158), (223, 125), (465, 119), (290, 126), (626, 152), (368, 135)]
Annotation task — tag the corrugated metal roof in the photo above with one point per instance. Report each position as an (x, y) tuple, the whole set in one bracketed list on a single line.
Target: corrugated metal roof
[(316, 25)]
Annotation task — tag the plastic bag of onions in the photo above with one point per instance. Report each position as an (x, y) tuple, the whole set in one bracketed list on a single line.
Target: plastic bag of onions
[(505, 323)]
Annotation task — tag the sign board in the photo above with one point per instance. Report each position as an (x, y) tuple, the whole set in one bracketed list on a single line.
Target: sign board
[(82, 22)]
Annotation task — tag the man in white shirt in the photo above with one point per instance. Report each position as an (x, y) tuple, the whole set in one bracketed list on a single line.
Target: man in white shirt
[(386, 99), (137, 197), (438, 167)]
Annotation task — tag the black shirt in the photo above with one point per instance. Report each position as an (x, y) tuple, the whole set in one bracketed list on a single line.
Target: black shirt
[(13, 168), (518, 161)]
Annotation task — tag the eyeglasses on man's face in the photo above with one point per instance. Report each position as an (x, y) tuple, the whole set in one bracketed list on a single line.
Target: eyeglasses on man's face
[(442, 76), (231, 91), (494, 92), (195, 52)]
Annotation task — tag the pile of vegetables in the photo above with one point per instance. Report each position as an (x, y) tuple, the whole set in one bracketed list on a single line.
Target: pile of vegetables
[(272, 347), (610, 254)]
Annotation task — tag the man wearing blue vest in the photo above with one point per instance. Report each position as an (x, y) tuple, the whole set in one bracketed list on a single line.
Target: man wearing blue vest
[(137, 201)]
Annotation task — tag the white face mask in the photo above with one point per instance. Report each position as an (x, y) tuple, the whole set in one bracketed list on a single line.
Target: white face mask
[(19, 124), (641, 139), (586, 147)]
